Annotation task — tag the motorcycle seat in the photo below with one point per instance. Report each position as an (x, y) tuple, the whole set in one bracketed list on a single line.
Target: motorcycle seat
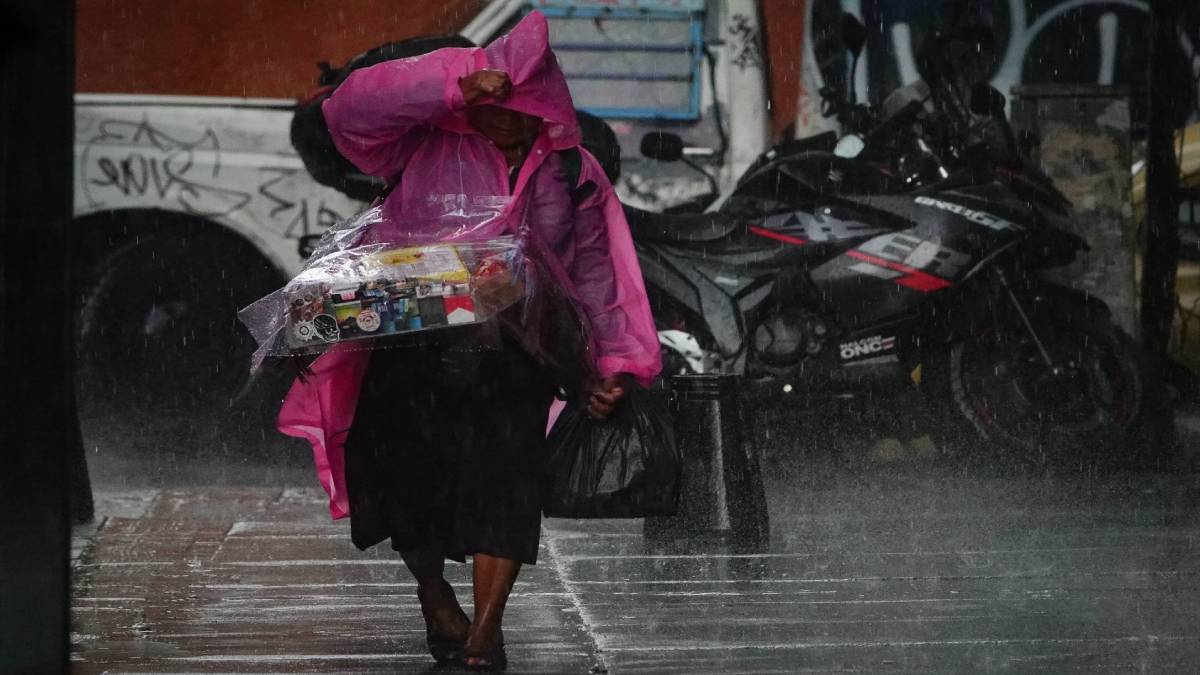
[(691, 228)]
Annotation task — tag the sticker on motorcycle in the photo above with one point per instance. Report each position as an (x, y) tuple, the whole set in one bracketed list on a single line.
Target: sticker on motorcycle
[(868, 346), (986, 219), (909, 261)]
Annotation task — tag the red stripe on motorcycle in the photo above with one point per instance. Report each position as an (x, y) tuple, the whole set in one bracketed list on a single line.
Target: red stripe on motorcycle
[(762, 232), (923, 282), (914, 279)]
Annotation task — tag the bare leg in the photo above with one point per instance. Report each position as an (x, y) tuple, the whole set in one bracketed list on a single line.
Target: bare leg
[(494, 579), (439, 605)]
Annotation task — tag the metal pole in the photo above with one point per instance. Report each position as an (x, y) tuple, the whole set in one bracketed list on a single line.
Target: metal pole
[(1162, 183), (722, 495)]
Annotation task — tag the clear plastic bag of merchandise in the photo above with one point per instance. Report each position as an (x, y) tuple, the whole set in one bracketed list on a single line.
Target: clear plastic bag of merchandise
[(383, 291), (370, 282), (380, 290)]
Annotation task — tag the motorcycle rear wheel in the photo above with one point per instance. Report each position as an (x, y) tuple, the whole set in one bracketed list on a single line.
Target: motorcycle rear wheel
[(1093, 408)]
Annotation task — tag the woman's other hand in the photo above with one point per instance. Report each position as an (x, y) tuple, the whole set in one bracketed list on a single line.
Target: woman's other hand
[(485, 83), (608, 394)]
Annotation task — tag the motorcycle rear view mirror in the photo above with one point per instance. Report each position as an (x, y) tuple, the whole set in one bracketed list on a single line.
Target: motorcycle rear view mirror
[(986, 100), (849, 146), (854, 34), (662, 146)]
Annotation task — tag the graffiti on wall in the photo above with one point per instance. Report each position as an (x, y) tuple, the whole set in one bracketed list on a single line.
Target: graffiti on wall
[(1033, 41), (744, 34)]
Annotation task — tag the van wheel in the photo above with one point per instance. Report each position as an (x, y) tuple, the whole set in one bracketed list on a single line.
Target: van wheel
[(161, 355)]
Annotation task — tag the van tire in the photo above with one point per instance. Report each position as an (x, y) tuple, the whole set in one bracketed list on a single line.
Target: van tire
[(161, 356)]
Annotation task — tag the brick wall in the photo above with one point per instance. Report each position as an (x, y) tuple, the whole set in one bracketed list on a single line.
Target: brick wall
[(250, 48)]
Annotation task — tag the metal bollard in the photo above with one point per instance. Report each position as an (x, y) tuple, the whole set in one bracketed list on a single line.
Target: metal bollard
[(722, 490)]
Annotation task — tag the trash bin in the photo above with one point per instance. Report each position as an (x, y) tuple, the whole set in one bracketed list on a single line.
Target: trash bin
[(722, 494)]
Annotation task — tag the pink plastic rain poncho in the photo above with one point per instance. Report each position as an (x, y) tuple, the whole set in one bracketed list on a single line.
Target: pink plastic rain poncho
[(406, 118)]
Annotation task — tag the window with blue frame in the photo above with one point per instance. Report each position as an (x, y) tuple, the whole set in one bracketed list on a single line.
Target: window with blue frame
[(629, 61)]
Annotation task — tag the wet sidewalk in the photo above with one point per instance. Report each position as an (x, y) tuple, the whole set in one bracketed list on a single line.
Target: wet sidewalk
[(261, 580), (890, 569), (901, 571)]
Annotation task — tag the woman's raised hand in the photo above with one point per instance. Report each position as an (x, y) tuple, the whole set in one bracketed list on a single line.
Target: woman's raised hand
[(485, 83)]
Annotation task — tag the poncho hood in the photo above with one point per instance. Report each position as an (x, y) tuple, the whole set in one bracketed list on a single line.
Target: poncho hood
[(539, 86)]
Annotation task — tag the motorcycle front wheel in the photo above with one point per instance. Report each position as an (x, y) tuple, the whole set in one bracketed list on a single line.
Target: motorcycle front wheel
[(1089, 405)]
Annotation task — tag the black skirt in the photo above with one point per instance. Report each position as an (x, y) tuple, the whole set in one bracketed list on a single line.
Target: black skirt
[(447, 450)]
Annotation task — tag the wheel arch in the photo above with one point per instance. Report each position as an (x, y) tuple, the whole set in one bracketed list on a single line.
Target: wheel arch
[(98, 236), (160, 352), (101, 241)]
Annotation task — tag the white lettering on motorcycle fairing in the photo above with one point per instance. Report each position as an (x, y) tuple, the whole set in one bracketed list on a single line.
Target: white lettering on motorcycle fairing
[(867, 346), (986, 219)]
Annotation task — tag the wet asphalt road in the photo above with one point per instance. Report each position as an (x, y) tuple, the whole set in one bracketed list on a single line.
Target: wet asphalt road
[(881, 559)]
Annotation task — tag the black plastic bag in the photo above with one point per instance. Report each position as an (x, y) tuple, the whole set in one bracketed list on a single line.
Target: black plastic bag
[(627, 466)]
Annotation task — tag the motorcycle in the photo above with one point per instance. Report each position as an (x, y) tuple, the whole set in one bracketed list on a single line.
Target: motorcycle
[(907, 250)]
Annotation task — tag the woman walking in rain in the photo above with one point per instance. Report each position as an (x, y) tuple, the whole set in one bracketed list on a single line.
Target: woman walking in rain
[(442, 457)]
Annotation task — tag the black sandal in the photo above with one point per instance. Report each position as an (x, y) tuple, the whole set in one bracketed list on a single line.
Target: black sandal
[(443, 648)]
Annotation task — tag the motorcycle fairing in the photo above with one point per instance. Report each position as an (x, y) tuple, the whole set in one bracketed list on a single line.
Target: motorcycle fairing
[(821, 227), (780, 241), (877, 258), (938, 243), (724, 279), (699, 291), (992, 198), (722, 270)]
